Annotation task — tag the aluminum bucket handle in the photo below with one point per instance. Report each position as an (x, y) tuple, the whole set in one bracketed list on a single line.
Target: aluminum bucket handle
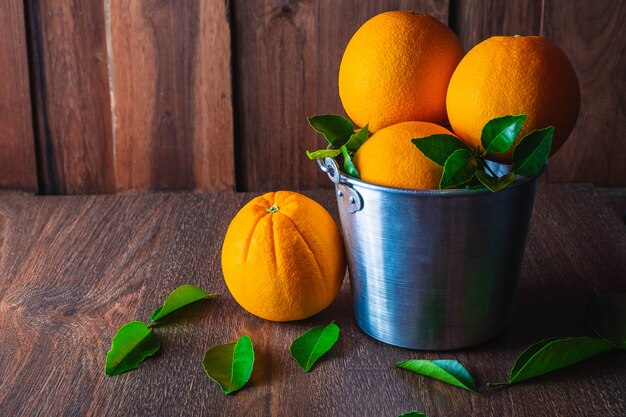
[(345, 193)]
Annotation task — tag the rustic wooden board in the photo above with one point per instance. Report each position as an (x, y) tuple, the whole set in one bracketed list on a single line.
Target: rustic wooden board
[(74, 269), (17, 145), (287, 62), (615, 199), (171, 94), (593, 35), (71, 91)]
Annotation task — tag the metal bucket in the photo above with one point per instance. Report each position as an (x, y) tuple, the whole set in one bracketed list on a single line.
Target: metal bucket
[(432, 269)]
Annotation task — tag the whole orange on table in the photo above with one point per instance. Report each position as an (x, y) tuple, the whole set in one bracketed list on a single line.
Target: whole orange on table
[(283, 257), (510, 75), (396, 68)]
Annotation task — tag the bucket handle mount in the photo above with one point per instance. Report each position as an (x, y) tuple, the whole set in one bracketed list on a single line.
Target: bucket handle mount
[(345, 193)]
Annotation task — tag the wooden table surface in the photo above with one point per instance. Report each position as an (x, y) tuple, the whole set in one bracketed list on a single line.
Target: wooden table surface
[(74, 269)]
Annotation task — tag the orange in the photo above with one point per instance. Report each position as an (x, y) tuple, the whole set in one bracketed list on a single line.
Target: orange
[(389, 157), (396, 68), (283, 257), (509, 75)]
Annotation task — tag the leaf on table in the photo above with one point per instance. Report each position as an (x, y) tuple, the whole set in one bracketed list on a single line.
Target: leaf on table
[(131, 345), (496, 184), (531, 153), (348, 165), (607, 317), (449, 371), (498, 135), (230, 365), (357, 139), (413, 414), (336, 129), (549, 355), (312, 345), (459, 168), (438, 148), (180, 297), (323, 153)]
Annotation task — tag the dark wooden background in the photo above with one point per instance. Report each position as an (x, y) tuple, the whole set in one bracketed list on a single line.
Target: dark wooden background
[(110, 96)]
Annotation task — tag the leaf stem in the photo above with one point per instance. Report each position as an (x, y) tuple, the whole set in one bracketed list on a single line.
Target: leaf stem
[(498, 384)]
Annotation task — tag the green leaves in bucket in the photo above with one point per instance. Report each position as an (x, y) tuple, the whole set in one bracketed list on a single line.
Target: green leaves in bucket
[(230, 365), (438, 148), (607, 317), (413, 414), (467, 168), (498, 183), (499, 134), (357, 139), (348, 165), (131, 345), (312, 345), (449, 371), (463, 167), (342, 138), (459, 169), (180, 297), (323, 153), (531, 153), (552, 354), (336, 129)]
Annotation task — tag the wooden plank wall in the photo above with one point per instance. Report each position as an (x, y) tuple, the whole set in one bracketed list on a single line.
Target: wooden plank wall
[(132, 95), (212, 95), (18, 171), (172, 95)]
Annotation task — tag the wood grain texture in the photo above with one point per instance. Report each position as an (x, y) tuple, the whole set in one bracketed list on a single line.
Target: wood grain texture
[(71, 90), (615, 199), (74, 269), (287, 63), (593, 36), (476, 20), (17, 146), (171, 93)]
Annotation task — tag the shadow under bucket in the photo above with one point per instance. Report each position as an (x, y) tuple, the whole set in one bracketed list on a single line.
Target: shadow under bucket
[(432, 269)]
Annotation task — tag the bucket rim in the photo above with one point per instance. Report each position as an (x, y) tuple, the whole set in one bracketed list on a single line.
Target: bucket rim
[(520, 180)]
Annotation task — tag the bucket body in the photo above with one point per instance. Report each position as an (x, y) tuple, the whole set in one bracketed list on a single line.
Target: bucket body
[(432, 269)]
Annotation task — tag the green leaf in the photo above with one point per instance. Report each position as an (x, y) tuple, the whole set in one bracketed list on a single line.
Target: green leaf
[(446, 370), (496, 184), (607, 316), (336, 129), (323, 153), (552, 354), (531, 153), (180, 297), (230, 365), (131, 345), (357, 139), (438, 148), (458, 169), (312, 345), (348, 165), (499, 134), (413, 414), (474, 184)]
